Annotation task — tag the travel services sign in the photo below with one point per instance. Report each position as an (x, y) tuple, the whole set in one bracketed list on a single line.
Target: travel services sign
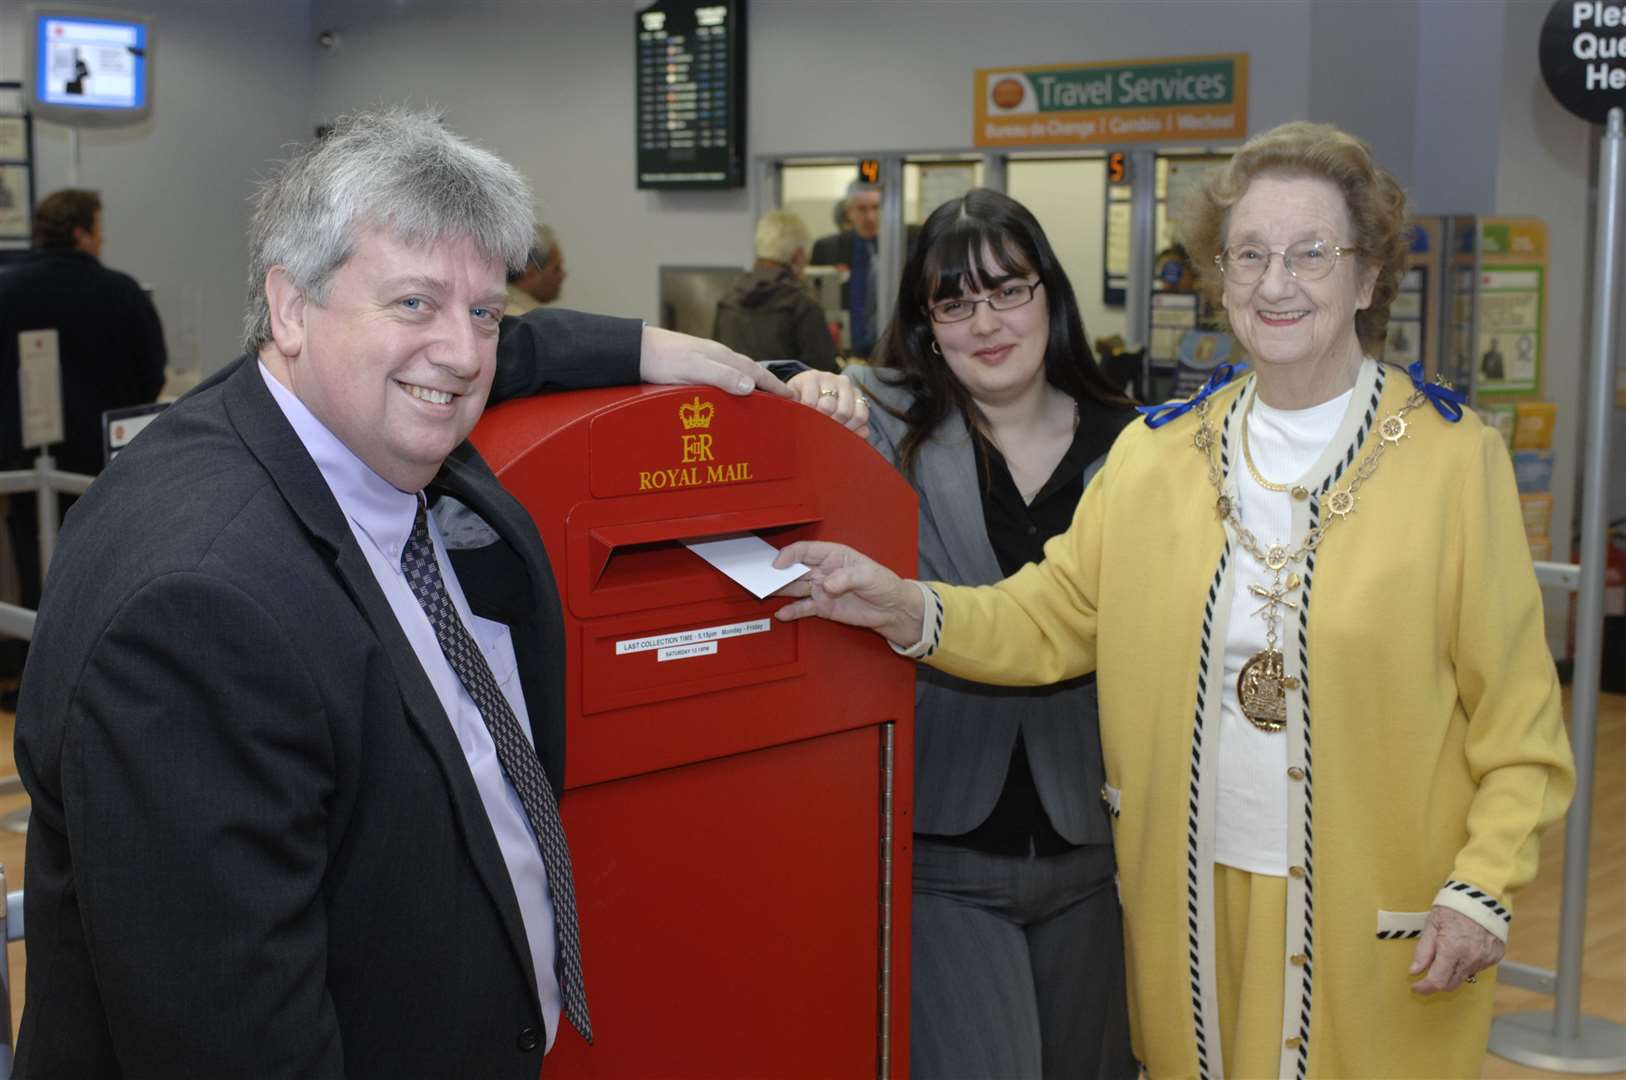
[(1191, 97)]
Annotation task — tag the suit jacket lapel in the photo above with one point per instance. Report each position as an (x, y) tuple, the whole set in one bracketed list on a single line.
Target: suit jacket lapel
[(271, 439), (950, 479)]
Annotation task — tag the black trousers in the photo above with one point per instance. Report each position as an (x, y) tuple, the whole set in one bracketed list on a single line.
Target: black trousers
[(1018, 967)]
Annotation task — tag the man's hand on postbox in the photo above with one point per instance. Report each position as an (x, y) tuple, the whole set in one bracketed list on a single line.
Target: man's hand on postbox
[(836, 396), (847, 586), (667, 357)]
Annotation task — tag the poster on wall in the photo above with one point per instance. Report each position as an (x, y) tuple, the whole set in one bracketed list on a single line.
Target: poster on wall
[(14, 205), (13, 138), (1121, 101), (1510, 306)]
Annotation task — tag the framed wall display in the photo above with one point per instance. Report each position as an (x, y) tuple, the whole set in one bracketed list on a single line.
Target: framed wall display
[(16, 205), (13, 138), (1509, 308), (690, 62)]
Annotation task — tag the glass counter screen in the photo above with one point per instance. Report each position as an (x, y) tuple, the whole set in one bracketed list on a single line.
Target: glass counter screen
[(91, 63)]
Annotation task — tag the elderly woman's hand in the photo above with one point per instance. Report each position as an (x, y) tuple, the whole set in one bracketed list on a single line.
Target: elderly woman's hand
[(834, 395), (849, 587), (1453, 949)]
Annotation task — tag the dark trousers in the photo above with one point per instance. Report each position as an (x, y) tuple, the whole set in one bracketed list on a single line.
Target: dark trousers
[(1017, 966)]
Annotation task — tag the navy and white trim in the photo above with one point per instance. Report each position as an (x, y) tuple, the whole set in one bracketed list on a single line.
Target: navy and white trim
[(1479, 905), (931, 624)]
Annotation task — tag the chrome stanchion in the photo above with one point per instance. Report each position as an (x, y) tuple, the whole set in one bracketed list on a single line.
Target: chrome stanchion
[(1563, 1040)]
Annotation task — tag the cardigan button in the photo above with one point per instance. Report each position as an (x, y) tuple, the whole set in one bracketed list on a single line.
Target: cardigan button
[(1295, 871), (529, 1039)]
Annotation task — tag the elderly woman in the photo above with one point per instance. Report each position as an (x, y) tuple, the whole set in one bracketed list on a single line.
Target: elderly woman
[(1329, 718)]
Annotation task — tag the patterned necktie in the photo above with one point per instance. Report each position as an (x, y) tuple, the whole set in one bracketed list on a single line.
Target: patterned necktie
[(518, 758)]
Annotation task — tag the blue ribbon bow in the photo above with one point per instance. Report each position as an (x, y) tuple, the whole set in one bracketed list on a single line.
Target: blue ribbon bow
[(1447, 400), (1158, 415)]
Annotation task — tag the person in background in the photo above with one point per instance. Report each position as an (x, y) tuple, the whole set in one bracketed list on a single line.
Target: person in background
[(855, 251), (1330, 720), (768, 315), (109, 342), (991, 405), (293, 745), (543, 275)]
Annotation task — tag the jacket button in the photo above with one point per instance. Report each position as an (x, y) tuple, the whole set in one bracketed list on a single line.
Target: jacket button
[(1297, 959), (1295, 871), (529, 1039), (1295, 773), (1292, 1042)]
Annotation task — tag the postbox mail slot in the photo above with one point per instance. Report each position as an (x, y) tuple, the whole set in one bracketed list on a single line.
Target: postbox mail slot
[(621, 566), (630, 660), (619, 543)]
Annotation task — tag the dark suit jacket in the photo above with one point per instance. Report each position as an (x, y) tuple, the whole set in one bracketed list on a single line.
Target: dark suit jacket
[(965, 731), (109, 340), (257, 849), (837, 250)]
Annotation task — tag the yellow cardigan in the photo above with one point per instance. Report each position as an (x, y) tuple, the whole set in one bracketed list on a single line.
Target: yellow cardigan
[(1426, 744)]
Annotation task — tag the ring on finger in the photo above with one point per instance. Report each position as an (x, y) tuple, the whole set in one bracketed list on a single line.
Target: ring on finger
[(1472, 979), (862, 400), (829, 393)]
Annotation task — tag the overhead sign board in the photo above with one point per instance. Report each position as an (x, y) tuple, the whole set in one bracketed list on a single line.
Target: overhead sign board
[(1583, 56), (1190, 97)]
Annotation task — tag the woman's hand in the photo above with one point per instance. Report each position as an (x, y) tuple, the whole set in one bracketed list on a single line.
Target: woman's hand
[(849, 587), (834, 395), (1453, 949)]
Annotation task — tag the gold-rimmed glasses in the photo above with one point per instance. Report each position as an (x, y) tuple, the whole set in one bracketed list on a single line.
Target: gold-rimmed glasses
[(1307, 260)]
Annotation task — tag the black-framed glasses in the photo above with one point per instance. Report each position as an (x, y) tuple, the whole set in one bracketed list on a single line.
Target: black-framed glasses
[(1012, 294), (1307, 260)]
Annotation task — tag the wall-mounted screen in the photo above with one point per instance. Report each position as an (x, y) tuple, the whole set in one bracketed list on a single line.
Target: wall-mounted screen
[(691, 94), (89, 66)]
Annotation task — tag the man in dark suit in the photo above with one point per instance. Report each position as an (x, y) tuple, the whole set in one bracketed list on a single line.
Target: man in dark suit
[(109, 343), (292, 743)]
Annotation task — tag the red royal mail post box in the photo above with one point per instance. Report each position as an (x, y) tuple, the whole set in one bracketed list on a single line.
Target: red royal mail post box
[(737, 790)]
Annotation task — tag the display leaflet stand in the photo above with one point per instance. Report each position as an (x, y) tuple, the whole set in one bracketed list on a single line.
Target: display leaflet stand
[(1561, 1039)]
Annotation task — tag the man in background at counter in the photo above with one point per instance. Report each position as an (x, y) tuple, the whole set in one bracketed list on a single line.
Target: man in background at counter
[(855, 250), (541, 278), (109, 343), (768, 315), (293, 751)]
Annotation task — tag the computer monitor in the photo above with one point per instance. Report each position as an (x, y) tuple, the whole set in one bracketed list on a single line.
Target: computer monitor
[(89, 66)]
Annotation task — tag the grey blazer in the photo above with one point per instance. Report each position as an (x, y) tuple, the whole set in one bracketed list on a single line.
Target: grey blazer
[(964, 731)]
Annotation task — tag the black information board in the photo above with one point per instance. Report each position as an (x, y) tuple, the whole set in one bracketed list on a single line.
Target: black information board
[(691, 94)]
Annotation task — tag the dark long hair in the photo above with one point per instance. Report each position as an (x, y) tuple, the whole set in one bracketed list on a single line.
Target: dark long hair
[(948, 259)]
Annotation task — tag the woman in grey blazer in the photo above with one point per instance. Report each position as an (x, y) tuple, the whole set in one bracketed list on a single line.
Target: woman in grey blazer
[(993, 407)]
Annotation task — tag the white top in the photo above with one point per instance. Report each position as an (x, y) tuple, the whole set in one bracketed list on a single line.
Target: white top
[(1251, 806), (380, 517)]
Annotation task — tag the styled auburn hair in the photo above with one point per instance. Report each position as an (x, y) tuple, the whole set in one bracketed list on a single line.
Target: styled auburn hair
[(1378, 215), (950, 258)]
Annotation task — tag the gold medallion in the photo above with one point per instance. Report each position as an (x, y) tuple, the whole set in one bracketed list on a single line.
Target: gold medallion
[(1276, 556), (1340, 503), (1261, 690), (1393, 428), (1203, 439)]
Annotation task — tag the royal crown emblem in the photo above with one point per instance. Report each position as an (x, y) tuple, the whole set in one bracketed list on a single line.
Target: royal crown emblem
[(696, 414)]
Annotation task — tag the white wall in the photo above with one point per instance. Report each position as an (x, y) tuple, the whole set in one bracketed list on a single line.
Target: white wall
[(549, 84), (232, 88)]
